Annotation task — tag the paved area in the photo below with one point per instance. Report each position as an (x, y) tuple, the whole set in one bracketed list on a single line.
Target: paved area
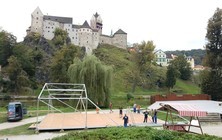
[(7, 125), (208, 128), (58, 121)]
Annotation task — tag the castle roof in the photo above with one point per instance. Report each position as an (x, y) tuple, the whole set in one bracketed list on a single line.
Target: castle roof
[(76, 26), (85, 25), (120, 32), (96, 15), (58, 19)]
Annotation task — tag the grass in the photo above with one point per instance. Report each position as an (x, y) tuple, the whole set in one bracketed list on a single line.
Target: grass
[(20, 130), (187, 87)]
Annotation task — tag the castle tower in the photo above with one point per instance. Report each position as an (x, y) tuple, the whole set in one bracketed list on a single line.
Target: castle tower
[(37, 21), (96, 23)]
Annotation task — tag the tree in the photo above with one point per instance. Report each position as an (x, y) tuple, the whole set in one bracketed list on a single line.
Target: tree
[(212, 84), (142, 56), (181, 64), (17, 75), (61, 61), (7, 41), (96, 77), (61, 37), (171, 76)]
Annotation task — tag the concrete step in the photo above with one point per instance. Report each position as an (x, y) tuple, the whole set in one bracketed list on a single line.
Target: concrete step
[(211, 117)]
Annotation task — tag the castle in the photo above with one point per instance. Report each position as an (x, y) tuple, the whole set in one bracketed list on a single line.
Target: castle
[(85, 35)]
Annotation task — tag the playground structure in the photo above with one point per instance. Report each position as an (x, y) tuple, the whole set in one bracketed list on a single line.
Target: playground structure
[(62, 92), (74, 97)]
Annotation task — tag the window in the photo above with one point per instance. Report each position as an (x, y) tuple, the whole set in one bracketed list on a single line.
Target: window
[(52, 27), (48, 31), (72, 37), (37, 18), (37, 22), (87, 29), (83, 29), (86, 41), (37, 12), (76, 37)]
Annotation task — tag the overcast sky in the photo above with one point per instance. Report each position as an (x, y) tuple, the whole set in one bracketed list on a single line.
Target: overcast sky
[(171, 24)]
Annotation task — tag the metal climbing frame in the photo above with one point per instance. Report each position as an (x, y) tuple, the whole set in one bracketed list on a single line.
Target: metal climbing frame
[(61, 92)]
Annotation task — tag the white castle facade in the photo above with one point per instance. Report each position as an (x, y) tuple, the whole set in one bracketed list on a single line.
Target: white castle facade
[(85, 35)]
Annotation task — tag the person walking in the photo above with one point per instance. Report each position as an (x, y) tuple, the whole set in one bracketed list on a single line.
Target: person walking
[(138, 109), (145, 116), (152, 114), (134, 108), (110, 107), (126, 119), (155, 116), (97, 108), (120, 112)]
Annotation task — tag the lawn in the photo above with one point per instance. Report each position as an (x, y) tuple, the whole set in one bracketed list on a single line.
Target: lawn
[(186, 87)]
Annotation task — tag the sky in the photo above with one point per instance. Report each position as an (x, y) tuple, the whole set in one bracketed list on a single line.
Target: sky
[(170, 24)]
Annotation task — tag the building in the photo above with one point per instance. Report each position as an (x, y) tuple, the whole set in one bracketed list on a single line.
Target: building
[(85, 35), (161, 58), (164, 59)]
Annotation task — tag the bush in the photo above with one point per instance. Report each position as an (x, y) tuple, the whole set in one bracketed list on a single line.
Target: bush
[(129, 96), (132, 133)]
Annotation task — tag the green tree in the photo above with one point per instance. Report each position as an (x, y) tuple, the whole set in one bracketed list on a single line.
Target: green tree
[(181, 64), (171, 76), (61, 37), (17, 75), (61, 61), (142, 56), (212, 84), (7, 41), (96, 77), (25, 57)]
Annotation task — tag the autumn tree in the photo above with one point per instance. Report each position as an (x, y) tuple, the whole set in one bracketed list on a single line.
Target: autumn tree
[(142, 56), (96, 76), (212, 84)]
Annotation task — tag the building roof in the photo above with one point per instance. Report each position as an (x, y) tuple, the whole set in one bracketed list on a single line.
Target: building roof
[(76, 26), (184, 109), (120, 31), (96, 15), (205, 105), (58, 19), (159, 51), (85, 25), (169, 56), (106, 35)]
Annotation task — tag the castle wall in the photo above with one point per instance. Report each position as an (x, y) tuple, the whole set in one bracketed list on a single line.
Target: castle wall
[(120, 40), (85, 39), (49, 28), (105, 39), (95, 39), (73, 34), (37, 21), (88, 37)]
